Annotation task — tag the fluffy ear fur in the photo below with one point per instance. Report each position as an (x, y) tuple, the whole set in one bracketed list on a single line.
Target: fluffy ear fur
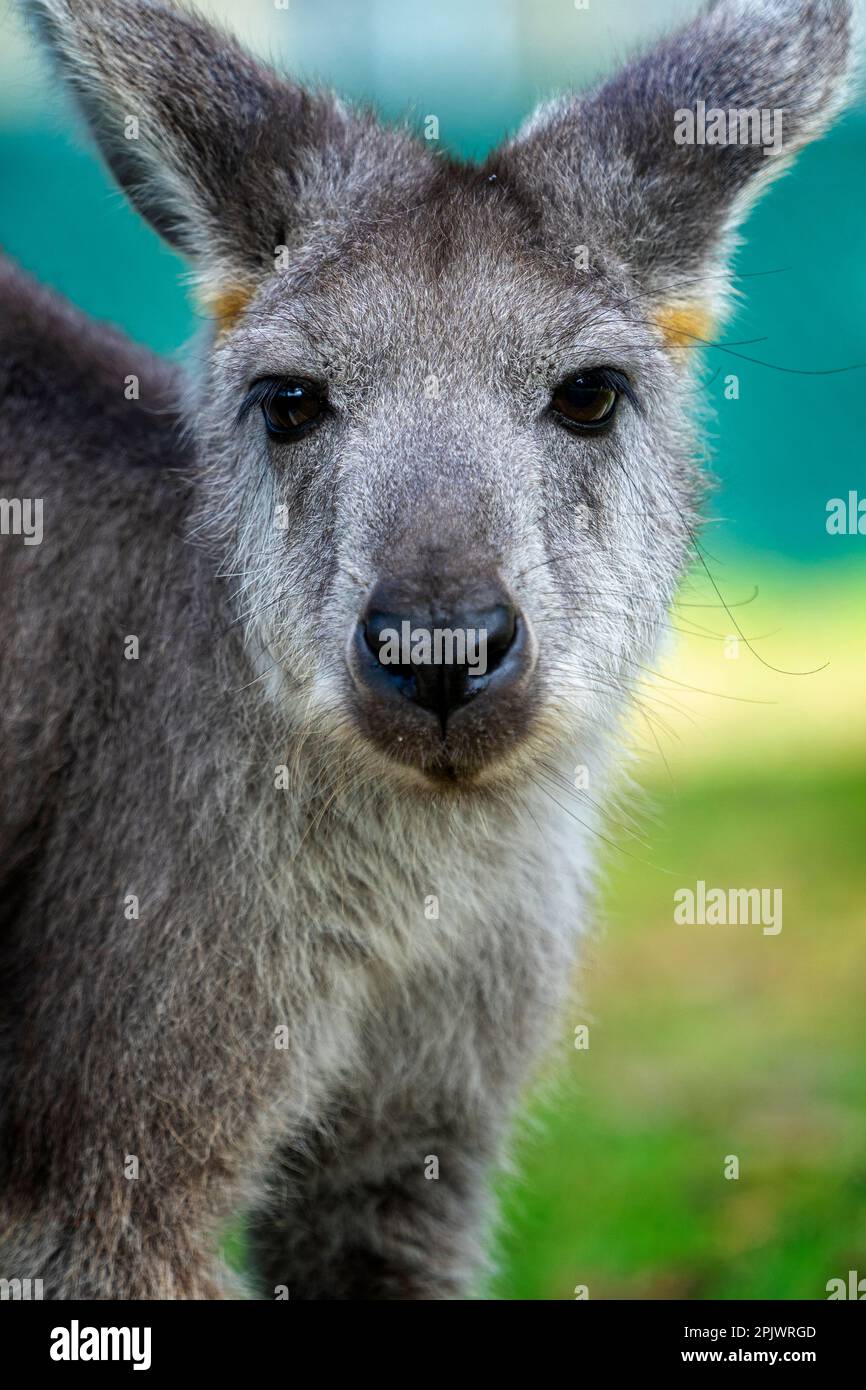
[(220, 154), (229, 161), (611, 170)]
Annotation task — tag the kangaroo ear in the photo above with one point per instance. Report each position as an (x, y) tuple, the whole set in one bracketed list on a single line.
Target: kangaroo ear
[(213, 148), (636, 166)]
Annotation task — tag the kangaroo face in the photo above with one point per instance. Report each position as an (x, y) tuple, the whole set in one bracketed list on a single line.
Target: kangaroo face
[(452, 433), (443, 418)]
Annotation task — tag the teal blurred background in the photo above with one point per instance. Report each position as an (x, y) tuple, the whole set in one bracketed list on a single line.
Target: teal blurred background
[(701, 1045)]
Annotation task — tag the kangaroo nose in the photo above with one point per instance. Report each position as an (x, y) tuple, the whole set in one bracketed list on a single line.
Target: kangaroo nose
[(440, 662)]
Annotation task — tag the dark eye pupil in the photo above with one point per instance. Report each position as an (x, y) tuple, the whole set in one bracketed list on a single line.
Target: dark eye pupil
[(292, 407), (586, 400)]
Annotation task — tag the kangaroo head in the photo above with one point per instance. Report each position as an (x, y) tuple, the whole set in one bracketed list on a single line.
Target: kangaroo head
[(442, 411)]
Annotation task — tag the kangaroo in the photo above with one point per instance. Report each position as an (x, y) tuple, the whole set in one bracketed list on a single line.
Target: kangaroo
[(290, 909)]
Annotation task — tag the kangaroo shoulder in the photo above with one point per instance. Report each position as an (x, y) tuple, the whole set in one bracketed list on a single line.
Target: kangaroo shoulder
[(77, 394)]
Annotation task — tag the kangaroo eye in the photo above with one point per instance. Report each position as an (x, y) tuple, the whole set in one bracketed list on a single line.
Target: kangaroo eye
[(291, 408), (587, 401)]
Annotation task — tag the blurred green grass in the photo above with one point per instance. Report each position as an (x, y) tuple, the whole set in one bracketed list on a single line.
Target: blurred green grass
[(707, 1041)]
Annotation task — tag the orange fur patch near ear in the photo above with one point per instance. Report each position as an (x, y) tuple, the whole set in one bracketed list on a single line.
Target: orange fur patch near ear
[(227, 305), (684, 325)]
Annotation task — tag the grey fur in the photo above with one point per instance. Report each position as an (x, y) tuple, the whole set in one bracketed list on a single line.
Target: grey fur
[(303, 908)]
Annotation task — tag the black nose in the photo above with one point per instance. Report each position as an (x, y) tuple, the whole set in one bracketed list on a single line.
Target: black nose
[(440, 660)]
